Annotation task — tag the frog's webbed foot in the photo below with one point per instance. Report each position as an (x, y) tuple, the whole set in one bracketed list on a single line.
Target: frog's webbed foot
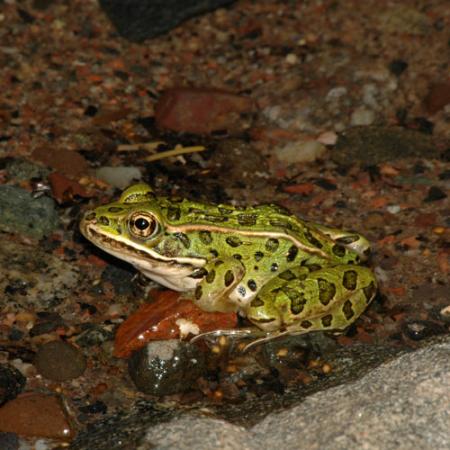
[(239, 333), (258, 336)]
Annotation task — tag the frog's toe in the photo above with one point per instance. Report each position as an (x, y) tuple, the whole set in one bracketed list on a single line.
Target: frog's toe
[(239, 333)]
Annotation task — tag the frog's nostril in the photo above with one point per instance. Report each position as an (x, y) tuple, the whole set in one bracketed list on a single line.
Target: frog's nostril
[(89, 216), (102, 220)]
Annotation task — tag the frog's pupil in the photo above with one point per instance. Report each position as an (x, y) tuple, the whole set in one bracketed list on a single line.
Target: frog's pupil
[(141, 224)]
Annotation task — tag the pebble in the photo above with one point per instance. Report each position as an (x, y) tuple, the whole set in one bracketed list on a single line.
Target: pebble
[(166, 367), (46, 323), (393, 209), (435, 193), (94, 334), (59, 361), (421, 329), (362, 116), (202, 111), (300, 151), (327, 138), (12, 383), (23, 170), (397, 66), (35, 414), (377, 144), (445, 313), (9, 441), (21, 213), (120, 177), (438, 97), (291, 58)]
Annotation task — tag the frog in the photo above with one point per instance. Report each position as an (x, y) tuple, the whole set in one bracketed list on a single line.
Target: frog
[(284, 274)]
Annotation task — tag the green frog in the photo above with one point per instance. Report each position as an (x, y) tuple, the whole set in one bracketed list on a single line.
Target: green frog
[(285, 274)]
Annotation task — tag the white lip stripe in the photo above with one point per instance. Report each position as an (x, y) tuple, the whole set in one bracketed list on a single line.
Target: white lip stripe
[(199, 262)]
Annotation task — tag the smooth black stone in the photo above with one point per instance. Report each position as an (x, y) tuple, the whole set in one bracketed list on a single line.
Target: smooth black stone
[(397, 66), (12, 383), (435, 193), (138, 20)]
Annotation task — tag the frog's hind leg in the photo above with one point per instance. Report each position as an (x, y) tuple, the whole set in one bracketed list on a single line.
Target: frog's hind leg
[(328, 299), (349, 239)]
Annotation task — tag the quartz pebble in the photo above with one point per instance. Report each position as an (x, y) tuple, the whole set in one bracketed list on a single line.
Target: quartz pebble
[(301, 151)]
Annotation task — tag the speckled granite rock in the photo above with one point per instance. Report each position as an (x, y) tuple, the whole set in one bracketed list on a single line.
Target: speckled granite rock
[(21, 213), (29, 276), (402, 404)]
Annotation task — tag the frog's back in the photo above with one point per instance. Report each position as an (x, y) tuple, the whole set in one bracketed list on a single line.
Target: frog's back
[(259, 221)]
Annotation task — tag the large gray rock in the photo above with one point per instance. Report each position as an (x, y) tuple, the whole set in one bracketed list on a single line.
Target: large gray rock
[(403, 404)]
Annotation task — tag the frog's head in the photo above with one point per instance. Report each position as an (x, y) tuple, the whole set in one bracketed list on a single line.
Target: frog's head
[(128, 227), (133, 229)]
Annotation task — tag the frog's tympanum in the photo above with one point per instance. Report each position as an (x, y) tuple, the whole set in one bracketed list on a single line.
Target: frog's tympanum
[(286, 275)]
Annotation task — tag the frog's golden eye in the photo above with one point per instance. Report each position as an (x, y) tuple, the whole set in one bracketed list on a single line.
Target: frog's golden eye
[(143, 225)]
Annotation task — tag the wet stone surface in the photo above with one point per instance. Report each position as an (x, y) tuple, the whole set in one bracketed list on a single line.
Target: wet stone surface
[(166, 367), (35, 414)]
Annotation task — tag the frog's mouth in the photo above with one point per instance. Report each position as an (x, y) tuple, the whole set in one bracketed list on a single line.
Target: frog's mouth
[(172, 272)]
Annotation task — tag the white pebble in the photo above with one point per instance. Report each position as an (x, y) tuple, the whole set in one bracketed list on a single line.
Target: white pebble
[(327, 138), (336, 92), (393, 209), (362, 116), (292, 58), (300, 151), (120, 176)]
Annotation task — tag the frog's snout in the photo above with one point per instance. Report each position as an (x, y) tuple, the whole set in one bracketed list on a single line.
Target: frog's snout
[(90, 217)]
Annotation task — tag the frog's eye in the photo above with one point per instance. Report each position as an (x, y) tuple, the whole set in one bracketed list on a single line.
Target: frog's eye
[(143, 225)]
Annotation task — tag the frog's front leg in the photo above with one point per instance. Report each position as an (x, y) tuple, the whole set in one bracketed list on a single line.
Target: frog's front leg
[(221, 277)]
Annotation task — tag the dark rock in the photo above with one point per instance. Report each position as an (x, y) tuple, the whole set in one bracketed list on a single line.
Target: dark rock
[(325, 184), (94, 334), (21, 213), (373, 145), (11, 383), (294, 351), (166, 367), (46, 323), (97, 407), (397, 66), (9, 441), (138, 20), (435, 193), (23, 170), (421, 329), (59, 361)]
